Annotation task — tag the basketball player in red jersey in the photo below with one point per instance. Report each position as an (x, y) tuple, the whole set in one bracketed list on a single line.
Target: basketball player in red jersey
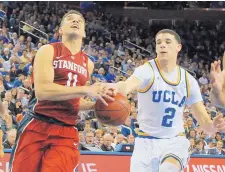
[(47, 138)]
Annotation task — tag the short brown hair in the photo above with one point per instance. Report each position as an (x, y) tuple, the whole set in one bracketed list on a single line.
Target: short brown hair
[(172, 32), (71, 12)]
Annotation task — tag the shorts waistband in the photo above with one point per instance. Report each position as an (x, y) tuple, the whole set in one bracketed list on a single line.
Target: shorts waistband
[(47, 119), (142, 134)]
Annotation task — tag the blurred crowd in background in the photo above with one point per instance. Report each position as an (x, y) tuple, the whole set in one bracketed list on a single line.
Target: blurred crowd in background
[(117, 45)]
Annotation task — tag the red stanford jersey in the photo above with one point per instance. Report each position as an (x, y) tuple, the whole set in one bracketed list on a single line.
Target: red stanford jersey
[(71, 71)]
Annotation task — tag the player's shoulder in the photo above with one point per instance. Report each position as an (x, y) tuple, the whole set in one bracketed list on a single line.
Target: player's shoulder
[(146, 66), (189, 77), (45, 51), (47, 47)]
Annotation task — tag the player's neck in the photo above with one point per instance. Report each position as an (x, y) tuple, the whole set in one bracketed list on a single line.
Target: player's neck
[(73, 45), (167, 66)]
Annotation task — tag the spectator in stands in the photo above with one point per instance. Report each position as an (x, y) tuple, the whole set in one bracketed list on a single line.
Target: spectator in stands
[(81, 137), (218, 136), (110, 76), (24, 59), (130, 139), (219, 147), (29, 41), (6, 54), (211, 144), (192, 145), (202, 135), (199, 147), (9, 63), (203, 80), (89, 138), (13, 73), (128, 128), (10, 139), (7, 117), (107, 143), (100, 75), (98, 134), (113, 131), (19, 81), (14, 94), (14, 38), (190, 123), (7, 83), (11, 105), (3, 123), (55, 38), (192, 134), (119, 139)]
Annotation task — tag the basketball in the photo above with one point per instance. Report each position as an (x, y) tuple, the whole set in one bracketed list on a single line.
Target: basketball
[(115, 113)]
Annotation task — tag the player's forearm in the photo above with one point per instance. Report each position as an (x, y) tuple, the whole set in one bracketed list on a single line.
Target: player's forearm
[(86, 105), (125, 87), (206, 124), (122, 88), (56, 92), (217, 98), (199, 112)]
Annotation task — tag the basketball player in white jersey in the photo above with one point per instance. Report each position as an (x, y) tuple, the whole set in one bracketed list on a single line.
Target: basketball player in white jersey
[(164, 88)]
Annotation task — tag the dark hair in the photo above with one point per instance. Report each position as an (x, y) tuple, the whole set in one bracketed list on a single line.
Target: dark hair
[(177, 37), (200, 141), (71, 12)]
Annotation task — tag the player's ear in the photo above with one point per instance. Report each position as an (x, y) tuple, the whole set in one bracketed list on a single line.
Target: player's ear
[(179, 47), (60, 31), (84, 36)]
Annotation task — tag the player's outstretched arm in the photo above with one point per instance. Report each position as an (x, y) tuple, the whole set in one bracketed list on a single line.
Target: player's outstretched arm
[(142, 74), (199, 112), (86, 105), (198, 109), (217, 93), (46, 89), (201, 115), (128, 86)]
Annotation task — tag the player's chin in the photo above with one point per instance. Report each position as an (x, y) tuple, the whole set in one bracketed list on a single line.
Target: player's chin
[(163, 56), (75, 34)]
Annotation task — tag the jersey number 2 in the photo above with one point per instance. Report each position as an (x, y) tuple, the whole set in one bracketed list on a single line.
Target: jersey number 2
[(70, 78), (168, 118)]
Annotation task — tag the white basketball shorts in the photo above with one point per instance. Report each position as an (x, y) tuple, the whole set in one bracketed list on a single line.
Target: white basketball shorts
[(150, 153)]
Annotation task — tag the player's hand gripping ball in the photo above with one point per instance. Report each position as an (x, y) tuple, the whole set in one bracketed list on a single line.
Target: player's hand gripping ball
[(115, 113)]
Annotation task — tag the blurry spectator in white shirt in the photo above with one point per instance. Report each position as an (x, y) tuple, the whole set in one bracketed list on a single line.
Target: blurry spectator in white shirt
[(203, 80)]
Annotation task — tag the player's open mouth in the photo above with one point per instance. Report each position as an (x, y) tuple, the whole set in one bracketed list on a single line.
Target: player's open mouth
[(75, 26)]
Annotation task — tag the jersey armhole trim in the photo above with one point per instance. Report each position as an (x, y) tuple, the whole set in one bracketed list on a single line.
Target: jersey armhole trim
[(187, 84), (144, 90)]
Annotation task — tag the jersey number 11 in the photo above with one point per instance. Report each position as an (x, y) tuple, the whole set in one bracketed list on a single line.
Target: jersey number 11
[(71, 78)]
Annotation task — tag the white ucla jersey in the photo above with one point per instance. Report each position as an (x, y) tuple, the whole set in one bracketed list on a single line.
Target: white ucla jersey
[(161, 102)]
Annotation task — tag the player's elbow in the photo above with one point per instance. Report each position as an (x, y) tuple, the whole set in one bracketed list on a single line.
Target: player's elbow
[(41, 93)]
